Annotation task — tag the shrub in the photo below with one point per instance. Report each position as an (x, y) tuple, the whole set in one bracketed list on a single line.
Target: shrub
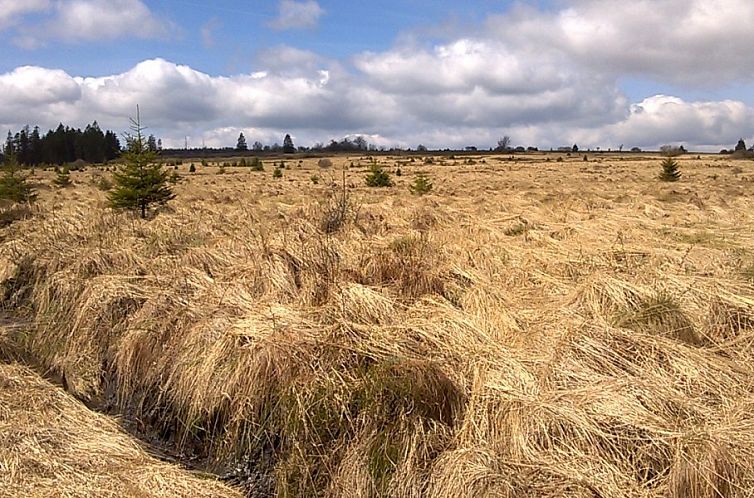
[(378, 177), (339, 209), (421, 185), (192, 168), (670, 171), (104, 184), (257, 164), (221, 170), (314, 179), (77, 165), (277, 173), (325, 163), (398, 172)]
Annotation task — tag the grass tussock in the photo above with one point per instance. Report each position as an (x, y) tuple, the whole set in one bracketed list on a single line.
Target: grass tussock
[(518, 343), (51, 445)]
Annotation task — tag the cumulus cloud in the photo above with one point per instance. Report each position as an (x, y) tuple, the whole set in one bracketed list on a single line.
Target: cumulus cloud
[(662, 119), (11, 11), (699, 41), (80, 20), (315, 105), (481, 83), (297, 14), (36, 95)]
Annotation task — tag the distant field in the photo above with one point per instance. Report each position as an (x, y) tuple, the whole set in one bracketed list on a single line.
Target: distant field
[(531, 327)]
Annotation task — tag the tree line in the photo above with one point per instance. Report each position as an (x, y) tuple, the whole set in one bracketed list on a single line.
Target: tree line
[(62, 145)]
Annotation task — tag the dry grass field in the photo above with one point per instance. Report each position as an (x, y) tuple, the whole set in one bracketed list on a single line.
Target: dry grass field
[(529, 328)]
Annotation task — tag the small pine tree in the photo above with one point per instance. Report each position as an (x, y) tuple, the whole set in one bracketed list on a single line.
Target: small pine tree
[(670, 171), (422, 184), (257, 164), (378, 177), (63, 178), (288, 147), (241, 143), (13, 185), (192, 168), (141, 180), (277, 173)]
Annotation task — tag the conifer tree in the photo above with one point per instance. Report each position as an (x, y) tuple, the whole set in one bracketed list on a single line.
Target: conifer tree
[(288, 147), (670, 171), (241, 144), (152, 143), (422, 184), (13, 185), (141, 181), (63, 178), (378, 177)]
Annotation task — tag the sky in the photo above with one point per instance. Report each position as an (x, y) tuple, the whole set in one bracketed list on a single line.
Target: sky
[(547, 73)]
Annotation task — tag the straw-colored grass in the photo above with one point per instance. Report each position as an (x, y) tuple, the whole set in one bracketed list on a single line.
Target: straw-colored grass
[(52, 446), (528, 328)]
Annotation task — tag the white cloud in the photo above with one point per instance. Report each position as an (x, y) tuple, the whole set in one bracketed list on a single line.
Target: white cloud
[(286, 59), (11, 11), (316, 105), (661, 119), (686, 41), (36, 95), (81, 20), (297, 14)]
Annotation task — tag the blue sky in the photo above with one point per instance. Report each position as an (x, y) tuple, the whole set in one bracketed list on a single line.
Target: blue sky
[(241, 28), (441, 73)]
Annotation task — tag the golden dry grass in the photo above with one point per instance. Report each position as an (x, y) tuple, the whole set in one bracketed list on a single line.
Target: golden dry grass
[(530, 328), (52, 446)]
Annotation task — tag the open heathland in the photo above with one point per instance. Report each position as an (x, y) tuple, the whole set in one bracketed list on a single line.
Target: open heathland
[(528, 327)]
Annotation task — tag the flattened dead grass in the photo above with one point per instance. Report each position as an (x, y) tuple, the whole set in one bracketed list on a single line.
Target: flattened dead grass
[(52, 446)]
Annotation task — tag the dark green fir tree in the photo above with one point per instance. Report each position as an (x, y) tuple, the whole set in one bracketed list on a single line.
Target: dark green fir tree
[(670, 170), (14, 186), (141, 182)]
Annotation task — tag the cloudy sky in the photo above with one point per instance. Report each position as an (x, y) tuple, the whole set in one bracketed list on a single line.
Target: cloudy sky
[(599, 73)]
